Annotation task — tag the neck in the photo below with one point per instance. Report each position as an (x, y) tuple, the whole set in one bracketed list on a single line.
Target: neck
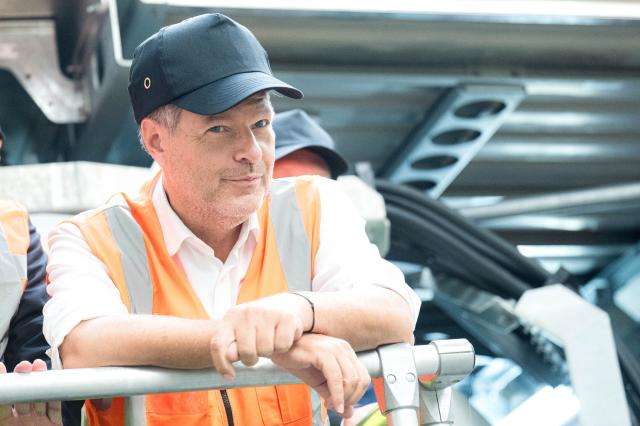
[(217, 231)]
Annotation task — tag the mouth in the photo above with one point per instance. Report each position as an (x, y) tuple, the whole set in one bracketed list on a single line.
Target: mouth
[(244, 180), (247, 178)]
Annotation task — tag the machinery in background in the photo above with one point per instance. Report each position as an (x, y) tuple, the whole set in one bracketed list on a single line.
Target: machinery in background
[(474, 284)]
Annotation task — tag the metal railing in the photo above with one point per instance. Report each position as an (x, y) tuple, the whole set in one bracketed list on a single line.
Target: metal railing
[(408, 401)]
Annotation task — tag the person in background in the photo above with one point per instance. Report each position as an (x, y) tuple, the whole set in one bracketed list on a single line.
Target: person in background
[(22, 296), (304, 148)]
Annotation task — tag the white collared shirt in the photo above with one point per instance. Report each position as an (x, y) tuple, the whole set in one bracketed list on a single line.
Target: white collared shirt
[(81, 289)]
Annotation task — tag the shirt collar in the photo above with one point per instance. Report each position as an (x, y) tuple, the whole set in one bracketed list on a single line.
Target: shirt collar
[(175, 232)]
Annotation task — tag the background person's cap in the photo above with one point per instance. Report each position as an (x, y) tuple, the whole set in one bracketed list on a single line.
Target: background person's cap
[(295, 130), (206, 65)]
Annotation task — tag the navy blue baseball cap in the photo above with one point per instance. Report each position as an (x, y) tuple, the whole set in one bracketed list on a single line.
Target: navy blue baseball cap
[(295, 130), (206, 64)]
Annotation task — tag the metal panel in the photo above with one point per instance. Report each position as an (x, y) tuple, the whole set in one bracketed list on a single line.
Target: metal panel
[(450, 136), (27, 9), (28, 48)]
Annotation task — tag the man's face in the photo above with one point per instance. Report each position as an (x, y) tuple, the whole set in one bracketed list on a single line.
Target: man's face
[(221, 165)]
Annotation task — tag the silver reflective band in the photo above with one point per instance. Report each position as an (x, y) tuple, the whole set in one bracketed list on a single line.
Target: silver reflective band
[(294, 248), (294, 251), (13, 269), (133, 254)]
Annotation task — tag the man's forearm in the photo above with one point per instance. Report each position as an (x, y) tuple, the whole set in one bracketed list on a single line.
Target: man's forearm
[(364, 317), (139, 340)]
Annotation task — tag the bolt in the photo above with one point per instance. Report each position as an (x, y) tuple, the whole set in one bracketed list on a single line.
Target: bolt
[(391, 378), (411, 377)]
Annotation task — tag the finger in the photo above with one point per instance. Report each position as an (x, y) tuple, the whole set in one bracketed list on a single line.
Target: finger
[(219, 346), (39, 365), (40, 409), (362, 380), (23, 409), (54, 412), (350, 376), (3, 369), (6, 412), (232, 352), (23, 367), (333, 374), (348, 412), (283, 338), (246, 340), (265, 340)]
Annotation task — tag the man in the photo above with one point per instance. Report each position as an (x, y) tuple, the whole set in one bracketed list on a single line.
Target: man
[(22, 296), (304, 148), (232, 265)]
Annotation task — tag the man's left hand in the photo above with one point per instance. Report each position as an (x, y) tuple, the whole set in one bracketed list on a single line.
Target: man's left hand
[(331, 367)]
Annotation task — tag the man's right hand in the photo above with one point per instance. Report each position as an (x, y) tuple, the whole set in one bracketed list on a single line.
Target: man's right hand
[(258, 328), (30, 414), (331, 367)]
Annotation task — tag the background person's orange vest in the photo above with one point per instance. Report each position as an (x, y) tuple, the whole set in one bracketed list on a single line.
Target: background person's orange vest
[(133, 249), (14, 245)]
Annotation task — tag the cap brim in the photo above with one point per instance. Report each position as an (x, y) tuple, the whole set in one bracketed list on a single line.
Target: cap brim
[(223, 94), (336, 163)]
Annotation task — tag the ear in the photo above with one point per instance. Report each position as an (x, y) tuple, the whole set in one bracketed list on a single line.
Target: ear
[(154, 136)]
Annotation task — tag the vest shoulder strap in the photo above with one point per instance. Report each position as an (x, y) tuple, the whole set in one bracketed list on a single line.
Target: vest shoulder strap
[(293, 239), (14, 245)]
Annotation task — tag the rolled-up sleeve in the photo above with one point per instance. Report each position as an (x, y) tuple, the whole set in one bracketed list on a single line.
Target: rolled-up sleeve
[(346, 259), (79, 287)]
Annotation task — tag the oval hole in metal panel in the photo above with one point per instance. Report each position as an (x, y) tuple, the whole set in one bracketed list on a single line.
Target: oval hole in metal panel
[(455, 137), (480, 109), (422, 185), (434, 162)]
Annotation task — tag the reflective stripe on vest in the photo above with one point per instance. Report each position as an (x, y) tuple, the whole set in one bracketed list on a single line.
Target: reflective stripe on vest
[(294, 251), (13, 267)]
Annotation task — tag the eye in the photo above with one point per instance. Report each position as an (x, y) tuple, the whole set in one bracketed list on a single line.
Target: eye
[(216, 129), (262, 123)]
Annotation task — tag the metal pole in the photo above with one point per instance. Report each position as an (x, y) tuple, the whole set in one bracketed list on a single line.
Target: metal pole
[(107, 382), (560, 200)]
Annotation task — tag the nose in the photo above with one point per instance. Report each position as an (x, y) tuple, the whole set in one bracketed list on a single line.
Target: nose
[(249, 150)]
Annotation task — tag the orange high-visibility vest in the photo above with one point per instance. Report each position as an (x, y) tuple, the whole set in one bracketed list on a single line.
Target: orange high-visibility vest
[(126, 235), (14, 245)]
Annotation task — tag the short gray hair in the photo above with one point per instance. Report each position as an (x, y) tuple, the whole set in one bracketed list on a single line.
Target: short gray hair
[(167, 116)]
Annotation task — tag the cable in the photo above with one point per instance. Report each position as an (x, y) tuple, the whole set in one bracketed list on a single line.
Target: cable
[(421, 203)]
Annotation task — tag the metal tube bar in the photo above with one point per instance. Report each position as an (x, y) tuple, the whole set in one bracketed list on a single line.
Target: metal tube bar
[(105, 382), (402, 417), (560, 200)]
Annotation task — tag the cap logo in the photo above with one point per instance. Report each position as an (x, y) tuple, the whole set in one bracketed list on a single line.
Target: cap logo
[(147, 83)]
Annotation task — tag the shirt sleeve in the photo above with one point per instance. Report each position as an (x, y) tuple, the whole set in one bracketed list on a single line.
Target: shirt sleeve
[(26, 341), (79, 287), (346, 259)]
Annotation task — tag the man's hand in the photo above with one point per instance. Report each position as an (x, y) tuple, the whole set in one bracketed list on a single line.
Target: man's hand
[(259, 328), (34, 413), (331, 367)]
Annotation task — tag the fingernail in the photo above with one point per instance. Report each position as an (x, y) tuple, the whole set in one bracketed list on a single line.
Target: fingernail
[(228, 377), (341, 408)]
